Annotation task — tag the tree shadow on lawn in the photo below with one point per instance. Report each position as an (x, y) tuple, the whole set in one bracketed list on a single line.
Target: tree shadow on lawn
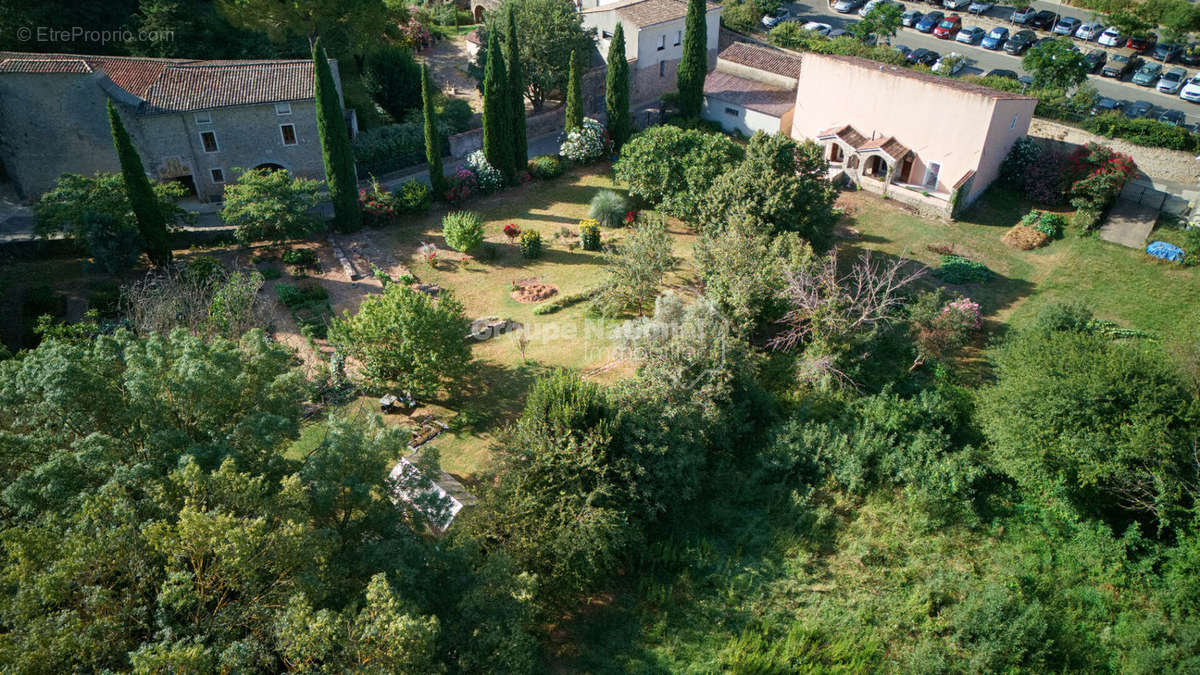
[(491, 395)]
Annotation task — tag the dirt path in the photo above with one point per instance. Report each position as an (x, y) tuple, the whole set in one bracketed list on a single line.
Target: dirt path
[(447, 60)]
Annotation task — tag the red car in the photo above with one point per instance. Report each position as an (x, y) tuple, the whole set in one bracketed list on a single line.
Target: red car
[(1141, 43), (948, 28)]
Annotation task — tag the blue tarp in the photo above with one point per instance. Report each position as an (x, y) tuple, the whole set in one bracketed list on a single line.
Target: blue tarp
[(1161, 249)]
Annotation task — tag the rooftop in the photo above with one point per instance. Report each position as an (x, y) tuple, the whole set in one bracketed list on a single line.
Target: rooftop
[(647, 12), (750, 94), (769, 59), (181, 85), (909, 73)]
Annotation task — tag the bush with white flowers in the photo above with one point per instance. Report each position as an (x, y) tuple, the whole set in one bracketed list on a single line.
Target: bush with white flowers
[(586, 143), (488, 176)]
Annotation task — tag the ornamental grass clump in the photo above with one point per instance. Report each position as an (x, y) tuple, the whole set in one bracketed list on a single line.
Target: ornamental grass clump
[(608, 208)]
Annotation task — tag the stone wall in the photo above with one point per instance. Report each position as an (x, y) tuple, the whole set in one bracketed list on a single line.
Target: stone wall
[(545, 122)]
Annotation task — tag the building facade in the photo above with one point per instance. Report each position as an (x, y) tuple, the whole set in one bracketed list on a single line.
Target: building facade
[(931, 141), (195, 122), (753, 88)]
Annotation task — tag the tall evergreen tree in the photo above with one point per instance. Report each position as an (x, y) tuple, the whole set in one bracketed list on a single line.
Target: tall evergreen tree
[(433, 141), (693, 66), (146, 210), (574, 112), (516, 93), (616, 91), (497, 132), (335, 146)]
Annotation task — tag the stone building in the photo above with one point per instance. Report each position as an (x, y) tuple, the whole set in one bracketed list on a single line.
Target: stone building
[(932, 142), (753, 88), (195, 122)]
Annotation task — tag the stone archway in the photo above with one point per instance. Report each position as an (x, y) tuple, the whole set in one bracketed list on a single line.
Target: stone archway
[(270, 166), (479, 14), (875, 167)]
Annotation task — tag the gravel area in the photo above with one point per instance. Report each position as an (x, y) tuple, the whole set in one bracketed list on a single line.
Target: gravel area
[(1159, 164)]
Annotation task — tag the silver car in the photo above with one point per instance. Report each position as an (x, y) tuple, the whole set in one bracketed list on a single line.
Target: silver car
[(1172, 80), (1089, 31), (846, 6)]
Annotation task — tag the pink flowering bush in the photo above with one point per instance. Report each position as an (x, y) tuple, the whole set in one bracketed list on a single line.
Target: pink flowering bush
[(940, 328), (463, 186), (378, 205)]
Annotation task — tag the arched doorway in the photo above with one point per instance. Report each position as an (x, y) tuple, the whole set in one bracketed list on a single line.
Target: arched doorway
[(875, 167), (270, 166), (478, 14), (835, 153)]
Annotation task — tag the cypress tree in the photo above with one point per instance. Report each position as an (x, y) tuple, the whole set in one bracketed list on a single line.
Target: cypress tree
[(150, 221), (497, 135), (574, 112), (516, 92), (335, 146), (693, 66), (433, 142), (616, 91)]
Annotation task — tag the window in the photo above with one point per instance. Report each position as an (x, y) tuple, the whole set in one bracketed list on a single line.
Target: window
[(732, 112), (662, 68), (289, 133), (662, 42), (203, 118), (678, 37), (283, 108), (218, 176), (1013, 125), (931, 175), (606, 35), (209, 140)]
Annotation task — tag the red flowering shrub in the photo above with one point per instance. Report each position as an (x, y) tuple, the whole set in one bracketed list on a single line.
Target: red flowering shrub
[(378, 205), (512, 232), (1096, 174), (463, 185), (631, 217)]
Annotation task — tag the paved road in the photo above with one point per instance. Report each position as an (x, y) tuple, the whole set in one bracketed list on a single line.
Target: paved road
[(982, 60)]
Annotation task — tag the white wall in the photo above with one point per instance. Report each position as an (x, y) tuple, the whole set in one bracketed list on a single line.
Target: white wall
[(642, 42), (747, 121)]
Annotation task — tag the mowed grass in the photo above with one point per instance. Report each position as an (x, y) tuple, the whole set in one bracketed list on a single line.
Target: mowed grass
[(478, 407), (1118, 283)]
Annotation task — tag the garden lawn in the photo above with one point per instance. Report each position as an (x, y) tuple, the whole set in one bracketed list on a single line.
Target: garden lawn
[(1118, 283)]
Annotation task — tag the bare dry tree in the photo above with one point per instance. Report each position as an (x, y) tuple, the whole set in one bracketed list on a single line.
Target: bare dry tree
[(217, 302), (830, 308)]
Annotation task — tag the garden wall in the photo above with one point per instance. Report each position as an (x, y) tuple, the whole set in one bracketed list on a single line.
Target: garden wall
[(545, 122)]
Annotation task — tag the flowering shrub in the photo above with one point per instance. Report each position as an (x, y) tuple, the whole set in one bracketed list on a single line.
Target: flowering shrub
[(1096, 174), (630, 217), (589, 232), (585, 144), (487, 176), (378, 205), (512, 232), (531, 244), (463, 185), (428, 253), (941, 328), (415, 34)]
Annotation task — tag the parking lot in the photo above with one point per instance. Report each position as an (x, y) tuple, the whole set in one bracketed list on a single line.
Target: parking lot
[(981, 60)]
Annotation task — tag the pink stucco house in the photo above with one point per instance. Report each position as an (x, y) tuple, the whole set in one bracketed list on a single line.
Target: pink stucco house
[(933, 142)]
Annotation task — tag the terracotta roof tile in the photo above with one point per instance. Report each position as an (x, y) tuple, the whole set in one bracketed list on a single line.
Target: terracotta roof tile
[(750, 94), (886, 144), (847, 133), (931, 78), (647, 12), (769, 59), (44, 66)]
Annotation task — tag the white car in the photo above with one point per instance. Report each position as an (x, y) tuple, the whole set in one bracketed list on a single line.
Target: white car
[(867, 7), (1111, 37), (818, 27), (775, 18), (956, 5), (1191, 90), (980, 7), (950, 64), (1089, 31), (1172, 80)]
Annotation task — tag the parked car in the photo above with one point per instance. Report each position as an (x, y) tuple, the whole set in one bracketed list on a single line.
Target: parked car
[(1147, 75), (1022, 15), (1066, 26), (1172, 80), (970, 35), (1105, 105), (956, 5), (837, 33), (847, 6), (1139, 109), (1000, 72), (1141, 43), (1096, 60), (1191, 90), (910, 18), (1088, 32), (1190, 55), (1043, 20), (950, 64), (1119, 66), (924, 57), (995, 38), (1019, 43), (873, 4), (775, 18), (902, 50), (1166, 52), (948, 28), (929, 22), (1175, 118), (980, 7), (1111, 37), (818, 27)]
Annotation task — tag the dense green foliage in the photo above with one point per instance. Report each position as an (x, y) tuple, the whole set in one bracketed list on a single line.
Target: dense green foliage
[(463, 230), (270, 205), (546, 166), (1055, 63), (693, 65), (616, 91), (549, 31), (673, 168), (392, 77), (143, 202), (516, 93), (573, 111), (336, 154), (497, 109), (636, 268), (433, 143)]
